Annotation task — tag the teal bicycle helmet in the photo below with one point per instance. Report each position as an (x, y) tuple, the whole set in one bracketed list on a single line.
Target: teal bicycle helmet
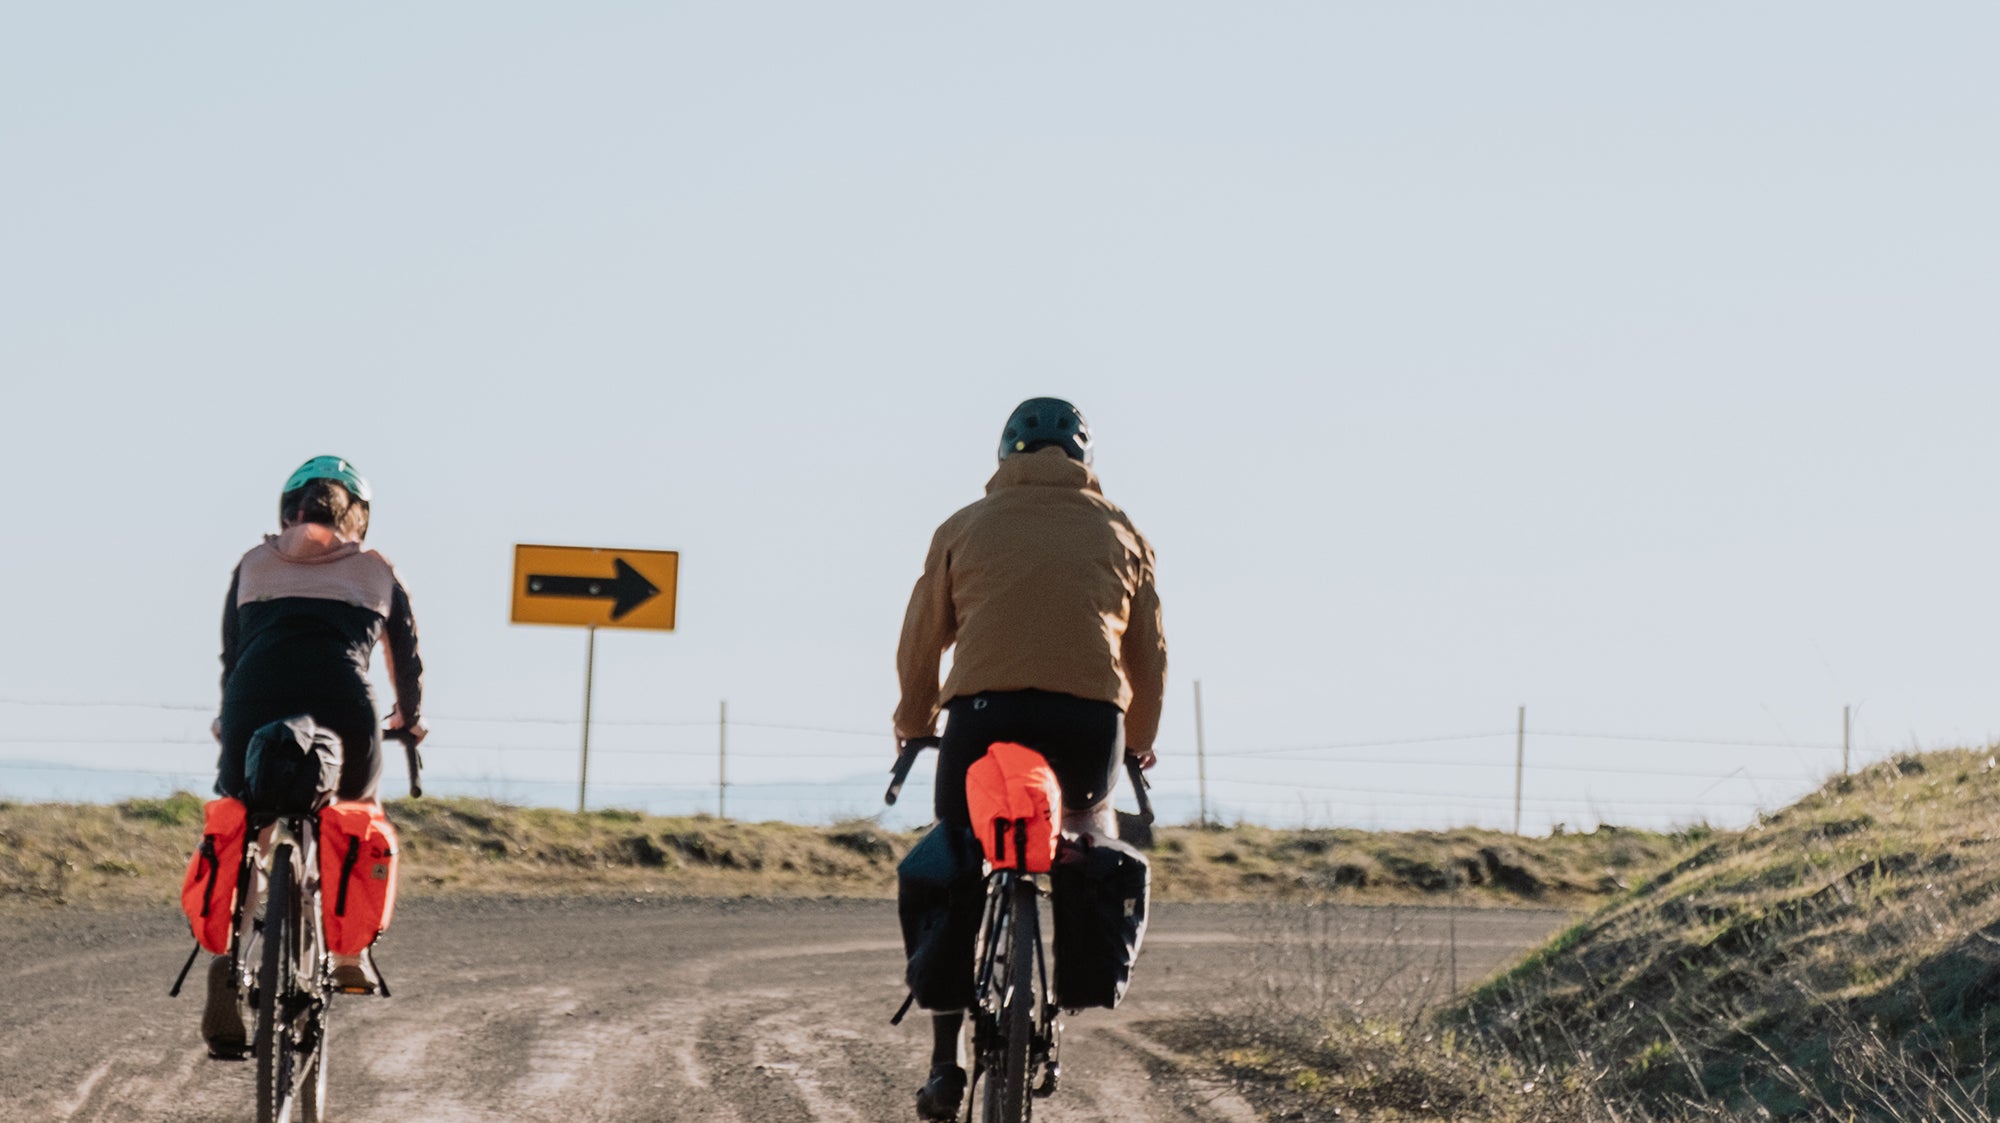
[(330, 468), (1046, 421)]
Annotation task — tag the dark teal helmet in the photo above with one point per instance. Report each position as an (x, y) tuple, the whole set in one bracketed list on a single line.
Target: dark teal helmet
[(1046, 421), (330, 468)]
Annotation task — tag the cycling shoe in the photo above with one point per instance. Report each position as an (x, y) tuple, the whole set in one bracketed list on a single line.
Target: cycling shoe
[(938, 1099), (352, 978), (222, 1018)]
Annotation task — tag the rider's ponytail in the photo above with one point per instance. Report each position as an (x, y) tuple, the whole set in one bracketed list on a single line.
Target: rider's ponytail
[(328, 503)]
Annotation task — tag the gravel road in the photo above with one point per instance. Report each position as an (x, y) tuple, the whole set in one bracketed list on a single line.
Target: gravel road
[(645, 1009)]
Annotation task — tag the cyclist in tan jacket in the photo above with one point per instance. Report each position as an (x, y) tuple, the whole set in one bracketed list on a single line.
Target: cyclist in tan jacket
[(1046, 591)]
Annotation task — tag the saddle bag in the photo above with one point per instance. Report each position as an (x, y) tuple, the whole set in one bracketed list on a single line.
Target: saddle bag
[(357, 872), (209, 888), (940, 893), (1100, 889), (1014, 799), (291, 766)]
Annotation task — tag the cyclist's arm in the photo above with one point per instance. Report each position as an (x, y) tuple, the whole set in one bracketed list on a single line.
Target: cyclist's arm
[(1144, 653), (929, 626), (231, 628), (406, 667)]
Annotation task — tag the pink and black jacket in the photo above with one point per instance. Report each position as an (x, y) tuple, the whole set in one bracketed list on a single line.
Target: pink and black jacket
[(305, 610)]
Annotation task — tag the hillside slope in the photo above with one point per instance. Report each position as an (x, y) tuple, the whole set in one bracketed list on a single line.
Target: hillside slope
[(1840, 959)]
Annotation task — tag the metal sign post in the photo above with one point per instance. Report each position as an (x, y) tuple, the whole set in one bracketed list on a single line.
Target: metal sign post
[(1200, 754), (589, 666), (1520, 756)]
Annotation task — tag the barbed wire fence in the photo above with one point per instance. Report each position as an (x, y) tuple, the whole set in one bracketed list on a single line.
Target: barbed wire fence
[(1523, 778)]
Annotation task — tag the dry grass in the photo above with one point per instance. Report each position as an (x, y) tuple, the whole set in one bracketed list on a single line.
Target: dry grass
[(134, 852), (1838, 961), (1486, 867), (1335, 1017)]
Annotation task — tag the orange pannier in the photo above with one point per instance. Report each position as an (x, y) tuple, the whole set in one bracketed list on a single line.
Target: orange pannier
[(1013, 796), (208, 891), (357, 874)]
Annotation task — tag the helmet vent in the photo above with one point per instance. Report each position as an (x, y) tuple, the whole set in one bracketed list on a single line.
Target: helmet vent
[(1068, 429)]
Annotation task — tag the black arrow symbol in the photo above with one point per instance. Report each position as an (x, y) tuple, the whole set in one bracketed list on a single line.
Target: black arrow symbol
[(625, 589)]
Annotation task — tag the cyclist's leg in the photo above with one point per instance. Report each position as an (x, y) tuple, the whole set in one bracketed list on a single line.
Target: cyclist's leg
[(1083, 771), (350, 714), (971, 725), (242, 715), (945, 1087)]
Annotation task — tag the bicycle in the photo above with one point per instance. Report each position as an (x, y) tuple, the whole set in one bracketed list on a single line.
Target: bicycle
[(1017, 1022), (279, 960)]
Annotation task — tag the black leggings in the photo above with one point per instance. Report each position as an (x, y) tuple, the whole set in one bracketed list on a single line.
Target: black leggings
[(350, 715), (1082, 739)]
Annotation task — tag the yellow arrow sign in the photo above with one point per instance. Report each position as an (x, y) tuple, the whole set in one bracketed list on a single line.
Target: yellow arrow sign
[(584, 586)]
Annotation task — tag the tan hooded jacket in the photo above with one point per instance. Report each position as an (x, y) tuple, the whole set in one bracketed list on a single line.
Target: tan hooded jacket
[(1044, 584)]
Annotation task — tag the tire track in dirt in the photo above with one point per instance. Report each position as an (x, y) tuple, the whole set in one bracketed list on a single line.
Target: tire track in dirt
[(613, 1010)]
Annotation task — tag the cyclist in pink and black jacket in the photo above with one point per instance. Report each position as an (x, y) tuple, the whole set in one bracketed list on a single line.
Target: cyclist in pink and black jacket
[(305, 611)]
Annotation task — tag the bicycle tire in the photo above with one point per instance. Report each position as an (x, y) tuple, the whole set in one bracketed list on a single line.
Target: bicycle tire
[(311, 937), (312, 1089), (274, 982), (1008, 1100)]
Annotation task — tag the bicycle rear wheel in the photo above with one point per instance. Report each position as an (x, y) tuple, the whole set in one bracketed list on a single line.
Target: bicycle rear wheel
[(1007, 1099), (274, 986)]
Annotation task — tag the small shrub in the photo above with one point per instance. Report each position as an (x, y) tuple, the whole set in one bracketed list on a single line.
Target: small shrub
[(180, 809)]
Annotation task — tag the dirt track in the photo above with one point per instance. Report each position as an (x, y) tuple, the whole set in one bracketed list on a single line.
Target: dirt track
[(616, 1010)]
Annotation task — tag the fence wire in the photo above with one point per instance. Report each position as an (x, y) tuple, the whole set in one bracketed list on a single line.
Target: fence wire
[(1333, 783)]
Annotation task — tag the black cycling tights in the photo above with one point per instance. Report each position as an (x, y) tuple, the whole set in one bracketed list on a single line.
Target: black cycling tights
[(350, 715), (1082, 739)]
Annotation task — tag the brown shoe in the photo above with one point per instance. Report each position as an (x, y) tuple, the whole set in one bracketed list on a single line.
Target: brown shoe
[(352, 978), (222, 1016)]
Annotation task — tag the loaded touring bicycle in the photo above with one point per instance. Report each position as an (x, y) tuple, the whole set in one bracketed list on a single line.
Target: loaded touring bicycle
[(1098, 892), (284, 880)]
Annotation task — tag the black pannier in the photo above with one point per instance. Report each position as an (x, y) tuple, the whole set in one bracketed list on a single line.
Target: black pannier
[(940, 894), (290, 767), (1100, 890)]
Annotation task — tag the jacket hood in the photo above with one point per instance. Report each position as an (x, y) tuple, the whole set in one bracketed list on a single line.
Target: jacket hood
[(1044, 467), (311, 544)]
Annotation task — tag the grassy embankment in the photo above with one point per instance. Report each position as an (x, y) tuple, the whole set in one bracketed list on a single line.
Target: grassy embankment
[(1839, 960), (134, 852)]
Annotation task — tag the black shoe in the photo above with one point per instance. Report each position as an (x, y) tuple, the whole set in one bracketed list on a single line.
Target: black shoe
[(939, 1098), (222, 1017)]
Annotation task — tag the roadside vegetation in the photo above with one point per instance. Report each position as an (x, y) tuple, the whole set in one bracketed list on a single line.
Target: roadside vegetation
[(134, 852), (1837, 961)]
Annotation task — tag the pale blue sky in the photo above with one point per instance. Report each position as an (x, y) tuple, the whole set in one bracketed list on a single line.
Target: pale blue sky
[(1635, 365)]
